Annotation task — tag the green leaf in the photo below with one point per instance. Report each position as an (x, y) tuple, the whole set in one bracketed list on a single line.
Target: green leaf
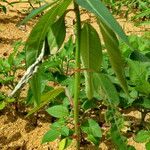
[(147, 145), (46, 98), (142, 136), (6, 80), (10, 100), (117, 138), (5, 66), (62, 144), (112, 46), (60, 125), (91, 127), (143, 87), (138, 72), (2, 105), (65, 131), (146, 103), (91, 55), (109, 89), (91, 50), (58, 111), (89, 104), (68, 142), (56, 35), (131, 147), (116, 121), (138, 56), (38, 34), (51, 136), (93, 139), (143, 23), (2, 96), (99, 9), (93, 131), (35, 12), (142, 14), (3, 8), (35, 84)]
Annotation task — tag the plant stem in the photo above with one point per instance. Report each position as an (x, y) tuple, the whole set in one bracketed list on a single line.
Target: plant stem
[(77, 76)]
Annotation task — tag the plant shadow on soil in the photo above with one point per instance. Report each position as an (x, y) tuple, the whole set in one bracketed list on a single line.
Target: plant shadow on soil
[(23, 125), (8, 40)]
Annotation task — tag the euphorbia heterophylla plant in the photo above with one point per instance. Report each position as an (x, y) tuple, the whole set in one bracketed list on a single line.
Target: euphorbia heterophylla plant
[(51, 30)]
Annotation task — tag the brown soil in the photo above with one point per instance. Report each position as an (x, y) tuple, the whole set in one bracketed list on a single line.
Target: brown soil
[(16, 131), (20, 133)]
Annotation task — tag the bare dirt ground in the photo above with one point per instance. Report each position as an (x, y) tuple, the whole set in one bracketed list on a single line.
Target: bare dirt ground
[(16, 131)]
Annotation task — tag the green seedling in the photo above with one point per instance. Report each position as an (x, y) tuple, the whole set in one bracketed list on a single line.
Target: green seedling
[(9, 68)]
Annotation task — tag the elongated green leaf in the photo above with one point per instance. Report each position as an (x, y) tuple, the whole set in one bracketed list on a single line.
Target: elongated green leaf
[(91, 55), (142, 14), (51, 136), (35, 84), (58, 111), (91, 50), (46, 98), (138, 56), (142, 23), (35, 12), (36, 39), (56, 35), (99, 9), (68, 142), (2, 105), (39, 32), (109, 89), (3, 8), (113, 100), (112, 46)]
